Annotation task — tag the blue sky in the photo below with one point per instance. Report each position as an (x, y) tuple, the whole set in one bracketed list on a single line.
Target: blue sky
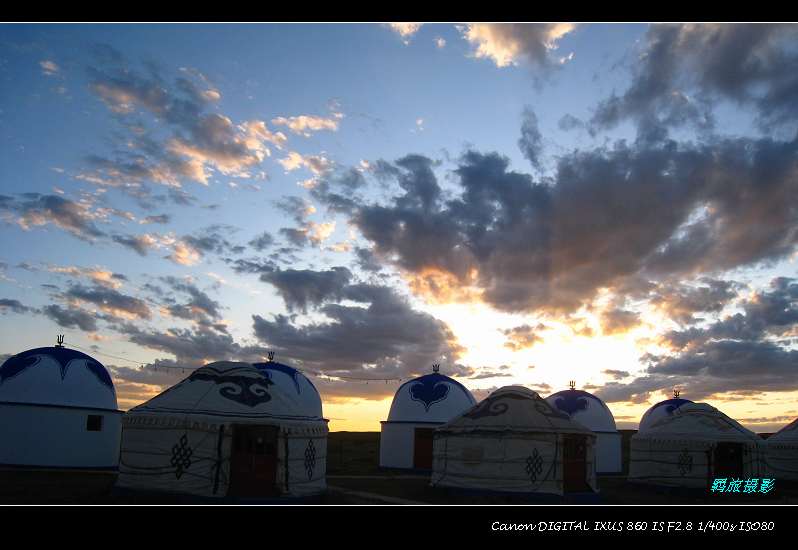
[(192, 138)]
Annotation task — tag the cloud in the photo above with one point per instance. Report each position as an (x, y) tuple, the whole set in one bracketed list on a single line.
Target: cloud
[(317, 164), (684, 69), (387, 337), (7, 304), (510, 43), (531, 141), (200, 308), (98, 275), (440, 42), (34, 210), (110, 301), (71, 317), (304, 287), (49, 68), (522, 337), (618, 321), (305, 125), (262, 241), (609, 218), (405, 30)]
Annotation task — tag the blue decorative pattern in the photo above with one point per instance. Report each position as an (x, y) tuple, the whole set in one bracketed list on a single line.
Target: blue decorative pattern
[(63, 356), (670, 405), (534, 465), (285, 369), (430, 389), (685, 463), (572, 401), (247, 390)]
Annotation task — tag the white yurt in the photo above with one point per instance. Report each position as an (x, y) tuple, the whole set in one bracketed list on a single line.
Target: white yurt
[(228, 429), (59, 422), (693, 446), (419, 406), (661, 410), (781, 454), (593, 413), (514, 441)]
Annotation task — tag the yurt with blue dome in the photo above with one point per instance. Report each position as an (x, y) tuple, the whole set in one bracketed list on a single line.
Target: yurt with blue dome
[(419, 406), (591, 412), (59, 422), (238, 430), (661, 410)]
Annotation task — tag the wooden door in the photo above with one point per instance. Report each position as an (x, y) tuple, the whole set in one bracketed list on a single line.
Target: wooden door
[(422, 448), (253, 462), (574, 464)]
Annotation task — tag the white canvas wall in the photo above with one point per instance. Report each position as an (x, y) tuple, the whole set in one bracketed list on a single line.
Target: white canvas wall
[(504, 462), (608, 453), (397, 443), (57, 437)]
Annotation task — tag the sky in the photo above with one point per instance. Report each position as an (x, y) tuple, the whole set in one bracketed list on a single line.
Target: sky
[(529, 204)]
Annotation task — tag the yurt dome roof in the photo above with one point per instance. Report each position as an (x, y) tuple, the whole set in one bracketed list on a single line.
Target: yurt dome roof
[(659, 411), (514, 408), (57, 376), (234, 390), (585, 408), (698, 421), (787, 433), (430, 398), (290, 380)]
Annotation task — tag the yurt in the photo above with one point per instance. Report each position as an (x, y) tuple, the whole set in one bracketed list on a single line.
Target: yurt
[(661, 410), (781, 454), (228, 430), (693, 446), (59, 423), (593, 413), (419, 406), (514, 441)]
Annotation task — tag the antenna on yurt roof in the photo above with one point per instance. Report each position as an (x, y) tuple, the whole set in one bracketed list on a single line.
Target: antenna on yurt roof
[(676, 393), (270, 355), (59, 341), (572, 383), (436, 367)]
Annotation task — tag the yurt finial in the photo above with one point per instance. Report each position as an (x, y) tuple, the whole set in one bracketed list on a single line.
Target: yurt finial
[(271, 356), (436, 367), (572, 383), (59, 341), (676, 393)]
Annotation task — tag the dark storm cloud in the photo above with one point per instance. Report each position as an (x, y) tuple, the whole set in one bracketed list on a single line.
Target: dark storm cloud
[(7, 304), (109, 300), (386, 336), (685, 68), (301, 288), (193, 347), (531, 140), (609, 218), (34, 209), (71, 317)]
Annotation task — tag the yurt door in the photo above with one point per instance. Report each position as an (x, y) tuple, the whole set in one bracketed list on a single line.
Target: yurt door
[(574, 463), (728, 460), (253, 463), (422, 449)]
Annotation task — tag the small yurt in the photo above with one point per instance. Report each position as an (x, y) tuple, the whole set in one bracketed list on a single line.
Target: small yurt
[(59, 423), (228, 430), (419, 406), (515, 441), (693, 446), (661, 410), (781, 454), (593, 413)]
